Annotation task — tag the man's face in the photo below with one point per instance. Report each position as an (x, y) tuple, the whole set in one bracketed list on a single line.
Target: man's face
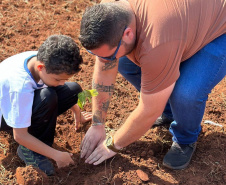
[(124, 47), (108, 54), (53, 80), (105, 52)]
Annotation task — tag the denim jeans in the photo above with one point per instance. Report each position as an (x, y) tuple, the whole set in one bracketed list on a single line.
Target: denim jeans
[(198, 76)]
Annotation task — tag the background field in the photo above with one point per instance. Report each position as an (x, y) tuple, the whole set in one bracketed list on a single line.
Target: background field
[(25, 24)]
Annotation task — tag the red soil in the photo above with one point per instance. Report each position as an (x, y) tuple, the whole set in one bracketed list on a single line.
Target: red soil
[(24, 26)]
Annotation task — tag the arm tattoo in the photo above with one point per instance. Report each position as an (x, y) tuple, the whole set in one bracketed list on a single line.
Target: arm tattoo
[(109, 65), (105, 106), (97, 117), (103, 88)]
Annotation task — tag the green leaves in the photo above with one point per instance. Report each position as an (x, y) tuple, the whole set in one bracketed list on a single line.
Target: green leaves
[(84, 95)]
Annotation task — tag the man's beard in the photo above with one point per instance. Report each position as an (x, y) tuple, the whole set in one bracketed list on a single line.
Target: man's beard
[(128, 47)]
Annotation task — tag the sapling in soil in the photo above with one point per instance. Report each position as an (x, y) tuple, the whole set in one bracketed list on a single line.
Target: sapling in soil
[(84, 95), (82, 99)]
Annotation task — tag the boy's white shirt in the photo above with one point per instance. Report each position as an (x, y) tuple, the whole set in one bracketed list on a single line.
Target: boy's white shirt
[(17, 88)]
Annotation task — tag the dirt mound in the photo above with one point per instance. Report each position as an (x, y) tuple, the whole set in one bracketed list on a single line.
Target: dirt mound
[(31, 176)]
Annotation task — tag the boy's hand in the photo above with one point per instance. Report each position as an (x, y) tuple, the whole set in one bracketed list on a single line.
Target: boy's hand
[(80, 118), (85, 116), (64, 159)]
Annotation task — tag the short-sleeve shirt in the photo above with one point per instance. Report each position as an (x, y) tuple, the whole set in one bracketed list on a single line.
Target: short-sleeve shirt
[(171, 31), (17, 88)]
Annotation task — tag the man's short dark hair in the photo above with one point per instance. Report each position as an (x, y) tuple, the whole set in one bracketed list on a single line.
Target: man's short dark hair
[(60, 54), (103, 24)]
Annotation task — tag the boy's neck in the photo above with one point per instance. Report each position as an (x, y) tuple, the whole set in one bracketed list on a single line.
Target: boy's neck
[(32, 66)]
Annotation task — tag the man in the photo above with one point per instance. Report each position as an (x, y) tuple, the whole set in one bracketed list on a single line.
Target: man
[(172, 51), (33, 93)]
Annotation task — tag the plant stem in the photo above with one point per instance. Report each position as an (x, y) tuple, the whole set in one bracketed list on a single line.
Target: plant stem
[(81, 136)]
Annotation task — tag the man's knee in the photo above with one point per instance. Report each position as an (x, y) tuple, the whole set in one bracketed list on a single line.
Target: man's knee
[(188, 97)]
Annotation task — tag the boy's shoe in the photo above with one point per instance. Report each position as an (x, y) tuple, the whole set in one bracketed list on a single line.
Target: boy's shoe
[(179, 156), (163, 120), (35, 159)]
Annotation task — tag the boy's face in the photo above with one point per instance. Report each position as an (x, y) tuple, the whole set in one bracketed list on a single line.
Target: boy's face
[(53, 80)]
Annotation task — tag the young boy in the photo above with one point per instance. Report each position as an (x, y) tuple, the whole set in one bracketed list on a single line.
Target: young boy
[(33, 92)]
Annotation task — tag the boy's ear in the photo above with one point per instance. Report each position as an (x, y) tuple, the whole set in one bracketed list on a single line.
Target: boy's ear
[(40, 67)]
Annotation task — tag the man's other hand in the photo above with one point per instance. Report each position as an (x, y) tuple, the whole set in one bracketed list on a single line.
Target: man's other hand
[(94, 136)]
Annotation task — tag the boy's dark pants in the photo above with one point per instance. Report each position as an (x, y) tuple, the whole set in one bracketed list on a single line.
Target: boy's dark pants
[(48, 104)]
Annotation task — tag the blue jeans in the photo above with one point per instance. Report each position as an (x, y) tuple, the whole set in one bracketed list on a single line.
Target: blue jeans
[(198, 76)]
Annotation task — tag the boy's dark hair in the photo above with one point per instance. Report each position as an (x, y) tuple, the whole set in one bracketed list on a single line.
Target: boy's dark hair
[(60, 54), (103, 24)]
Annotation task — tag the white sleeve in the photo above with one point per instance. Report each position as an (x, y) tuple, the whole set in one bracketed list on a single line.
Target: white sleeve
[(17, 109)]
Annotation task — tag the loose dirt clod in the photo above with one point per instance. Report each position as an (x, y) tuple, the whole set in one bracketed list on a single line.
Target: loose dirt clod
[(142, 175)]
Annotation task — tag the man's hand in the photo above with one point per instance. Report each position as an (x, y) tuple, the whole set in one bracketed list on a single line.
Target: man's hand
[(64, 159), (94, 136), (100, 154)]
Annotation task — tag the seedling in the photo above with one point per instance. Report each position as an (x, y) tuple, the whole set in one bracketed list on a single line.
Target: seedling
[(82, 99), (84, 95)]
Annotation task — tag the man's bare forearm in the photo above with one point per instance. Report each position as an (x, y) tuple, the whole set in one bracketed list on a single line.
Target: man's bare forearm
[(102, 101), (103, 88), (103, 81), (142, 118)]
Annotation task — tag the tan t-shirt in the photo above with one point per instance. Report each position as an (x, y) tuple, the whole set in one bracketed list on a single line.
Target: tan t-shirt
[(171, 31)]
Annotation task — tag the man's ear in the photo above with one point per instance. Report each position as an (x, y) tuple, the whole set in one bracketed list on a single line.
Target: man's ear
[(40, 67), (128, 35)]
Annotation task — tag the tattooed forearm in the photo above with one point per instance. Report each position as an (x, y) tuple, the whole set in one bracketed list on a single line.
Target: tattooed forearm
[(102, 103), (109, 65), (103, 88), (97, 117), (105, 106)]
